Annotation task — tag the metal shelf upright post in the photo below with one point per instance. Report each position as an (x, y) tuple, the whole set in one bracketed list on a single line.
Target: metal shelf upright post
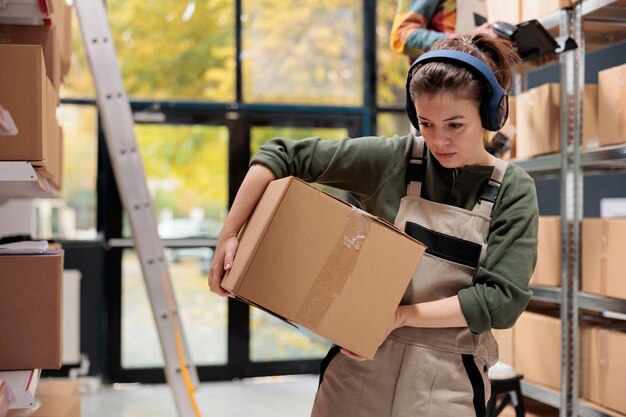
[(572, 84)]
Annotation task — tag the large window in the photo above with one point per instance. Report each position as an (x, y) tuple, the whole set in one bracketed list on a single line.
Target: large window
[(303, 52), (202, 313), (176, 49), (187, 172), (392, 67)]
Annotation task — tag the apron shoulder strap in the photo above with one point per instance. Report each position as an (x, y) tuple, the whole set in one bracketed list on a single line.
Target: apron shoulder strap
[(489, 193), (417, 168)]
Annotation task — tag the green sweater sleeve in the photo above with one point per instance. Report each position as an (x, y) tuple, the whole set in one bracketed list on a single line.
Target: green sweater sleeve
[(500, 291), (356, 165)]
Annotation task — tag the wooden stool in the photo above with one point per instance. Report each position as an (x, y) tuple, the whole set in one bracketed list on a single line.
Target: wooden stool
[(510, 390)]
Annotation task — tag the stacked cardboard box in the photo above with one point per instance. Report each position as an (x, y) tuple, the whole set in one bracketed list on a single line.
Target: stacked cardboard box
[(320, 263), (504, 11), (604, 368), (603, 242), (612, 105), (536, 9), (30, 308), (517, 11), (34, 61), (537, 348), (538, 115)]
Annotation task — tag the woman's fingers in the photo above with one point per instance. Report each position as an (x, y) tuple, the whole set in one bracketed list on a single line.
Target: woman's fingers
[(216, 273), (222, 262)]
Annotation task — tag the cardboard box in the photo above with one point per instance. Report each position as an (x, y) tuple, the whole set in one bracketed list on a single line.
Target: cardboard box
[(538, 120), (506, 343), (32, 101), (548, 269), (611, 105), (54, 168), (299, 257), (46, 36), (603, 243), (65, 28), (504, 11), (536, 9), (604, 369), (465, 11), (30, 311), (537, 351)]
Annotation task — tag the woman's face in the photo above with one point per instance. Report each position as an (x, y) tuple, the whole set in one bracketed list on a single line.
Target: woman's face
[(452, 129)]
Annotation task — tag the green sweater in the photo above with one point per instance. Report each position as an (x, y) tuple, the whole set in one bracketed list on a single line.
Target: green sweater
[(373, 169)]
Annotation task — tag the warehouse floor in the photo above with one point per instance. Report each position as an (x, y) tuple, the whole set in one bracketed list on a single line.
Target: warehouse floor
[(290, 396)]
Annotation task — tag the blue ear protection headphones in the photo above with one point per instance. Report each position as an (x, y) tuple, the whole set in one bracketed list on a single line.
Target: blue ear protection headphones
[(494, 107)]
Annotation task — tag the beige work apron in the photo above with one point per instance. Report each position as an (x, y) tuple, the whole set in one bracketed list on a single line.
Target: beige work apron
[(419, 371)]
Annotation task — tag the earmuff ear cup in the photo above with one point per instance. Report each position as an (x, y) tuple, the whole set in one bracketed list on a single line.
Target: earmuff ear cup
[(494, 108), (410, 107)]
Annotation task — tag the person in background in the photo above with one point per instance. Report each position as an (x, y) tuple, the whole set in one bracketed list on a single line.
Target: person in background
[(476, 213), (418, 24)]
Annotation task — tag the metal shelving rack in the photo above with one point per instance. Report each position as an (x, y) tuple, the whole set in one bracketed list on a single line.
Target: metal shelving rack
[(600, 22)]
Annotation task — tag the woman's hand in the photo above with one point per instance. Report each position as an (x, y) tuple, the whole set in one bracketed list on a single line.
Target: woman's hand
[(398, 320), (222, 261), (247, 197)]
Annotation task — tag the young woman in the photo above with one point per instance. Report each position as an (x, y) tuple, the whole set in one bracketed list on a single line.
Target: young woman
[(476, 214)]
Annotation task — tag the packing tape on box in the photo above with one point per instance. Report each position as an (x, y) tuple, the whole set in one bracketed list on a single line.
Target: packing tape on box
[(338, 267)]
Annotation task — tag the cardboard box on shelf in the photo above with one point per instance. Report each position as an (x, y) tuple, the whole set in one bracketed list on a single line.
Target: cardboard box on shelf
[(319, 263), (538, 121), (506, 344), (612, 105), (536, 9), (604, 368), (465, 11), (537, 351), (25, 89), (30, 308), (55, 166), (603, 242), (65, 28), (46, 36), (538, 115), (504, 11), (548, 269)]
